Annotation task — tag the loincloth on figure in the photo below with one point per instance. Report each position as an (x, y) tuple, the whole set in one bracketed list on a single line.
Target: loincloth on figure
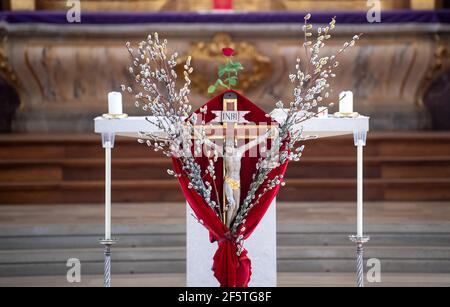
[(233, 183)]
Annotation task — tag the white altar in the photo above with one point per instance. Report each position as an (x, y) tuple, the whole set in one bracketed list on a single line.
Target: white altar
[(262, 244)]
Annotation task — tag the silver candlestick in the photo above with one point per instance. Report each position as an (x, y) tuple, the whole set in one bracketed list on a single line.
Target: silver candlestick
[(360, 138), (107, 242), (359, 258)]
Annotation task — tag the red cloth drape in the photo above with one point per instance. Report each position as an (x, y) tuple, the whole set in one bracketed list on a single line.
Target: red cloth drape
[(223, 4), (230, 269)]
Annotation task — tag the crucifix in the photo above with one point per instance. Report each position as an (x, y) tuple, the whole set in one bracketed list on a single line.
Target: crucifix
[(234, 127)]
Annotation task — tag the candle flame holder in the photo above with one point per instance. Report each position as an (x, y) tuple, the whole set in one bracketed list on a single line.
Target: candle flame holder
[(115, 116), (346, 114)]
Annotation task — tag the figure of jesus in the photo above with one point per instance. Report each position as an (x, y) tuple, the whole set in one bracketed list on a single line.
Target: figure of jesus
[(232, 156)]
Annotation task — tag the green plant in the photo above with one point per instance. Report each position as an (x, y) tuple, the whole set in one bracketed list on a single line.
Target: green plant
[(228, 73)]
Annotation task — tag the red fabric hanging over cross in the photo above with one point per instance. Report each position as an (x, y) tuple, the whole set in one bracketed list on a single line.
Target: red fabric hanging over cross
[(230, 269)]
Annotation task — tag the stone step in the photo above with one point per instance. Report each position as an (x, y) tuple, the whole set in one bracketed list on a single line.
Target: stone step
[(63, 242), (23, 146), (142, 249), (85, 169), (167, 190), (172, 260), (285, 279), (130, 260), (60, 169), (67, 237)]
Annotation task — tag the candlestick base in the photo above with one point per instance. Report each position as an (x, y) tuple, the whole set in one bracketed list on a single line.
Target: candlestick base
[(115, 116), (107, 243), (346, 114), (359, 240)]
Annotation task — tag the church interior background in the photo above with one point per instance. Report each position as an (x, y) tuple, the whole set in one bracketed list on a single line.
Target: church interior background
[(54, 77)]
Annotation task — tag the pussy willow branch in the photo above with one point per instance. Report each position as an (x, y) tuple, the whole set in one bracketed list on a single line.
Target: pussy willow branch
[(169, 108), (307, 95), (154, 73)]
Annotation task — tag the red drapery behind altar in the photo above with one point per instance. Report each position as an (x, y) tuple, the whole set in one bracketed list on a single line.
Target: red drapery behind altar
[(230, 269), (223, 4)]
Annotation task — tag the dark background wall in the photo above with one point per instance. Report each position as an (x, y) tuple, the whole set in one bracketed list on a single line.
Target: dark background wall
[(437, 101), (9, 101)]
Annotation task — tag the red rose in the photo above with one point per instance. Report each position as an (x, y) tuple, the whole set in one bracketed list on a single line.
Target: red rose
[(228, 51)]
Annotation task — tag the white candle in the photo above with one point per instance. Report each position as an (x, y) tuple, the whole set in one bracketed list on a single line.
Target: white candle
[(322, 112), (346, 102), (115, 103)]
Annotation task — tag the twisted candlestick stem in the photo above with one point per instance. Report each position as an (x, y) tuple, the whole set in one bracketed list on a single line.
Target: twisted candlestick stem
[(107, 274), (359, 241), (360, 265)]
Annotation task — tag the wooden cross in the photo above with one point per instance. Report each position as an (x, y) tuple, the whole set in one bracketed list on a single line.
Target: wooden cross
[(231, 126)]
